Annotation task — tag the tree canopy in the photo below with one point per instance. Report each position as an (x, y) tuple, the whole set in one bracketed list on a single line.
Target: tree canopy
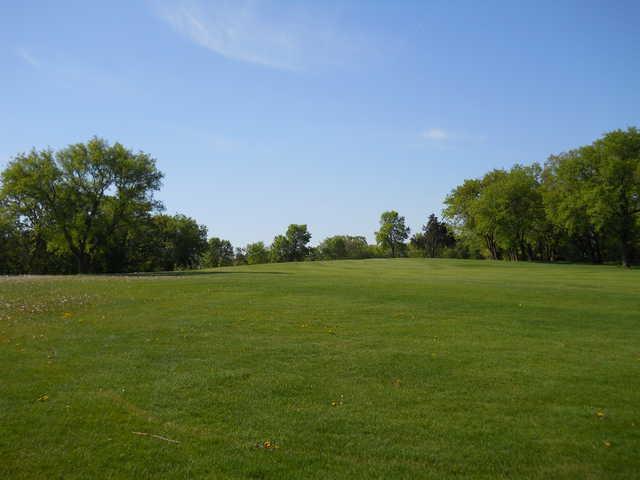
[(344, 246), (292, 246), (393, 233), (219, 253), (82, 195), (91, 208), (434, 238), (582, 205), (257, 253)]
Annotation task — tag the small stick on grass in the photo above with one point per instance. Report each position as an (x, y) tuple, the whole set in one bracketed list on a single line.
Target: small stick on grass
[(159, 437)]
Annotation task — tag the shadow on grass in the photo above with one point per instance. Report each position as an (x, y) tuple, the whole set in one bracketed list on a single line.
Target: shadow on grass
[(190, 273)]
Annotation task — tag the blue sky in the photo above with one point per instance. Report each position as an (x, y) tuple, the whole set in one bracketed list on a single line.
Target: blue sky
[(266, 113)]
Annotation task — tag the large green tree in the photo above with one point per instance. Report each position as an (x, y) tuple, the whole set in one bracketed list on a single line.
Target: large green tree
[(567, 204), (393, 233), (298, 237), (181, 240), (219, 253), (333, 248), (257, 253), (435, 236), (343, 246), (280, 250), (513, 203), (616, 194), (594, 192), (78, 197), (461, 211), (503, 209), (292, 246)]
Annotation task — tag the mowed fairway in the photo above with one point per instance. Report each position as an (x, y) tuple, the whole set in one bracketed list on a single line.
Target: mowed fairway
[(403, 368)]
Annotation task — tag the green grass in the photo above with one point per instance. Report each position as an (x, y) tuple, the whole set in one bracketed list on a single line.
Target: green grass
[(354, 369)]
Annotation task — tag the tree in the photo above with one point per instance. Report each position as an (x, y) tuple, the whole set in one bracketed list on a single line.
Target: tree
[(485, 214), (182, 242), (460, 210), (292, 246), (393, 232), (343, 246), (280, 250), (567, 207), (612, 187), (435, 236), (593, 192), (616, 193), (257, 253), (504, 210), (333, 248), (356, 246), (14, 256), (511, 202), (219, 253), (79, 196), (298, 238), (135, 246)]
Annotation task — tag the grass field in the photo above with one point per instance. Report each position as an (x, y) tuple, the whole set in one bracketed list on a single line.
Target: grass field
[(353, 369)]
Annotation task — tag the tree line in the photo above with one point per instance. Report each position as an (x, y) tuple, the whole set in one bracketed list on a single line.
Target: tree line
[(90, 208), (581, 205)]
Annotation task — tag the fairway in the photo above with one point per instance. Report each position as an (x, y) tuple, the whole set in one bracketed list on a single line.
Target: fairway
[(398, 368)]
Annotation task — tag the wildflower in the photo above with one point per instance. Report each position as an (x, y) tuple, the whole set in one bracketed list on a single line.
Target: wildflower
[(600, 414), (267, 445)]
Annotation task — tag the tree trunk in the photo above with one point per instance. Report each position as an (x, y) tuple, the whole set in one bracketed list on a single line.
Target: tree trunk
[(82, 260), (594, 246), (530, 255), (491, 246), (626, 238), (627, 251)]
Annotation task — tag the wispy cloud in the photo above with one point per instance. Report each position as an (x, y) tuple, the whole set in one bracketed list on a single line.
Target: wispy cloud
[(27, 57), (442, 136), (437, 134), (261, 33), (70, 72)]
